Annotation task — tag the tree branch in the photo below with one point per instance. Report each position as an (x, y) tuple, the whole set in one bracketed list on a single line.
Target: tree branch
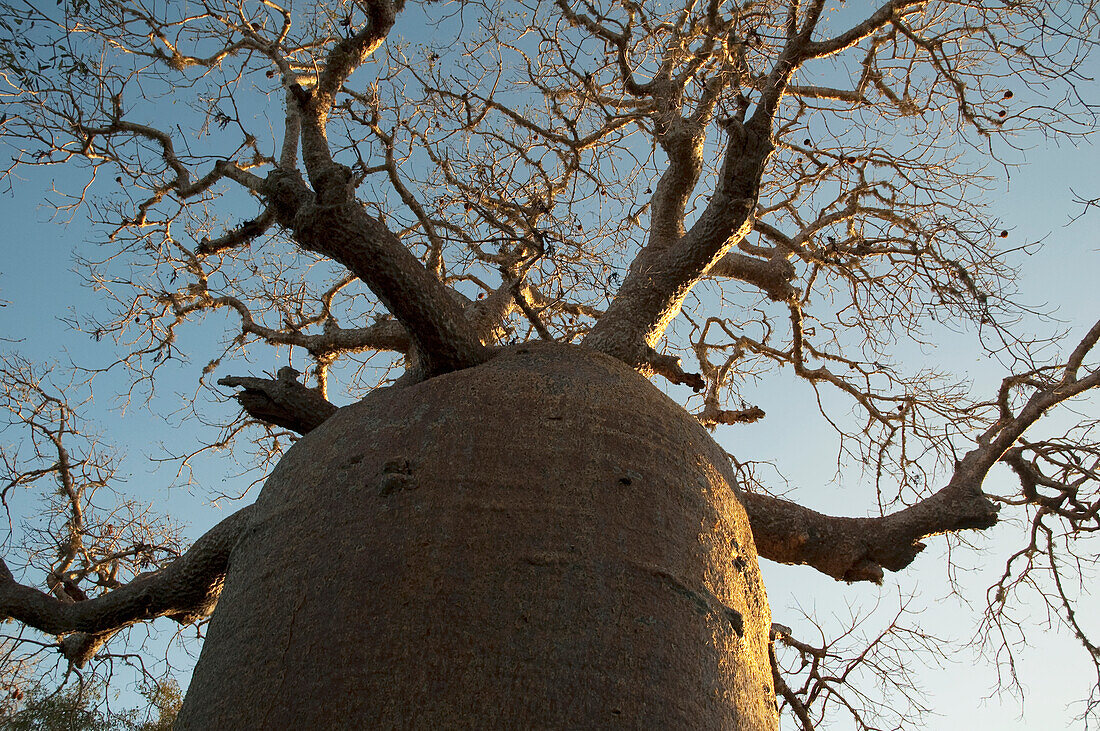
[(283, 401), (239, 236), (860, 549), (773, 276), (186, 590), (660, 278), (333, 223), (857, 33)]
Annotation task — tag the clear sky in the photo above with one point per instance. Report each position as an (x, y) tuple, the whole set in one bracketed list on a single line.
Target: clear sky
[(1036, 203), (40, 290)]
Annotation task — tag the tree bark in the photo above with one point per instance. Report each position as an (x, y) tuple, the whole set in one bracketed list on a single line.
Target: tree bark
[(845, 548), (544, 539)]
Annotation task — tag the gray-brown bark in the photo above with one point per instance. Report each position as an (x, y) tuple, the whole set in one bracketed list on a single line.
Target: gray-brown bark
[(850, 549), (578, 561)]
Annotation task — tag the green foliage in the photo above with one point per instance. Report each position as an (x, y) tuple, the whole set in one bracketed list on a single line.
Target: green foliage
[(81, 708), (67, 709), (165, 698)]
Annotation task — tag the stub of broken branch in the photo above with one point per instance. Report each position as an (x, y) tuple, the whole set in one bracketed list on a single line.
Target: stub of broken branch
[(669, 366), (712, 415), (80, 647), (281, 401)]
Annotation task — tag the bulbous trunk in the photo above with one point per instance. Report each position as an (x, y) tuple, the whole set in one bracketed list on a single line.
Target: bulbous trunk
[(544, 541)]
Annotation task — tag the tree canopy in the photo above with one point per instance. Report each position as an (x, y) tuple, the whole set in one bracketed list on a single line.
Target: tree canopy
[(349, 194)]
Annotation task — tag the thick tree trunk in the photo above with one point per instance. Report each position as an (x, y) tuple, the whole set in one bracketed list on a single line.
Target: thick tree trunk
[(542, 541)]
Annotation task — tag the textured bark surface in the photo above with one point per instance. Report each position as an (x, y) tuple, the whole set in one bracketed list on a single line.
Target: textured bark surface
[(545, 540)]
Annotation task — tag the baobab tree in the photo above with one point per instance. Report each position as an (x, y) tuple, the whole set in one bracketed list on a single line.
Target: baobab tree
[(498, 227)]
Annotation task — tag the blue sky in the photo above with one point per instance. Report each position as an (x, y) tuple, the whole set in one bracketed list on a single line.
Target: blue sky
[(1036, 204)]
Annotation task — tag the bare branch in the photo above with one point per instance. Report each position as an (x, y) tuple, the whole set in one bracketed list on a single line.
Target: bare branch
[(186, 590), (341, 229)]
